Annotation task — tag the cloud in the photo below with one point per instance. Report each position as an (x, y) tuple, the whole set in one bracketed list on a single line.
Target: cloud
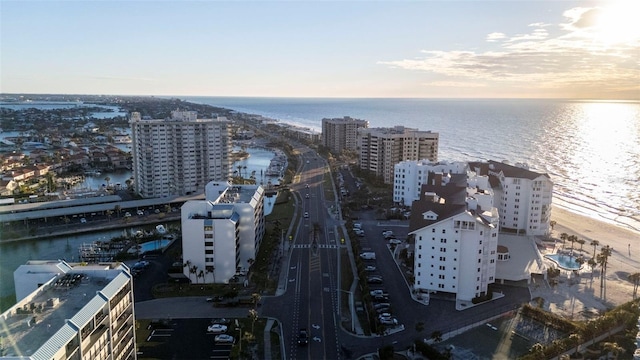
[(575, 56), (495, 36)]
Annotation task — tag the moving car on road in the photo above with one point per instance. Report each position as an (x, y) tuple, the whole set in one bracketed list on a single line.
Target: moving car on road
[(303, 337)]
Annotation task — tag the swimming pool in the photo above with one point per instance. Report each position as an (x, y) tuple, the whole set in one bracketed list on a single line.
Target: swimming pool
[(154, 245), (565, 262)]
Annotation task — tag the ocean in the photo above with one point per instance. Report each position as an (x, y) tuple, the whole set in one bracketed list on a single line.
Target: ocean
[(590, 149)]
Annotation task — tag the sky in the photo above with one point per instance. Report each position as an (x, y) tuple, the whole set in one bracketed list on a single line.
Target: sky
[(418, 49)]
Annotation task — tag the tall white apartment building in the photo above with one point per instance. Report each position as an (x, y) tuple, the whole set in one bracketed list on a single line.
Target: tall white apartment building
[(75, 312), (179, 155), (380, 149), (523, 196), (456, 237), (340, 133), (222, 234), (409, 175)]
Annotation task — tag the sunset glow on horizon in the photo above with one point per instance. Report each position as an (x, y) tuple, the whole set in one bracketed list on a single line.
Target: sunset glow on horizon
[(430, 49)]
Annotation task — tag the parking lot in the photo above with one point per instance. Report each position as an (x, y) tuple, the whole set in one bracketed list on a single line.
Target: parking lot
[(181, 339), (377, 242)]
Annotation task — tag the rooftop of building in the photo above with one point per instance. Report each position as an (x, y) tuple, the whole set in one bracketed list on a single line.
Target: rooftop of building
[(512, 171), (396, 130), (30, 323), (239, 194)]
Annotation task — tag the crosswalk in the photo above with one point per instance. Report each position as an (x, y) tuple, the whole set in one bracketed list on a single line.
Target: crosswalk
[(321, 246)]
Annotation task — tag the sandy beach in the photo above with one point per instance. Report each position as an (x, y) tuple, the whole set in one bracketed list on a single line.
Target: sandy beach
[(579, 297)]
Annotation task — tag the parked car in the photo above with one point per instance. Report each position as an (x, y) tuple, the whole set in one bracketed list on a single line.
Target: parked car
[(390, 321), (217, 329), (306, 196), (224, 339), (383, 310), (303, 337), (368, 256), (306, 214), (127, 214), (369, 268), (374, 279), (394, 241), (140, 212), (380, 298), (377, 292), (223, 321), (83, 220)]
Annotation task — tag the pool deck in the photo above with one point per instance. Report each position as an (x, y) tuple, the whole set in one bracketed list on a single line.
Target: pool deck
[(525, 259)]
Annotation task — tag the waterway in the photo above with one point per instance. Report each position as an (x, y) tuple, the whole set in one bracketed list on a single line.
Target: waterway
[(15, 254)]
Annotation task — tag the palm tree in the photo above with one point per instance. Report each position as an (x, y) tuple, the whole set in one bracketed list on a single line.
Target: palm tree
[(614, 348), (572, 239), (255, 298), (201, 275), (564, 237), (552, 223), (187, 264), (436, 336), (253, 315), (603, 260), (117, 209), (194, 270), (592, 263), (594, 243), (107, 179), (581, 242), (635, 279), (109, 214)]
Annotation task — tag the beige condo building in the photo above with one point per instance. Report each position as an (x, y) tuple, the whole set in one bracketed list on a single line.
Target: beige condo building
[(380, 149)]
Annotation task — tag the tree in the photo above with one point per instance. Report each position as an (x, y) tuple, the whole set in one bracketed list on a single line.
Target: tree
[(603, 260), (253, 315), (552, 223), (572, 239), (117, 209), (107, 179), (187, 264), (436, 336), (581, 242), (613, 348), (193, 270), (592, 263), (564, 237), (635, 280), (109, 214), (255, 298), (595, 244)]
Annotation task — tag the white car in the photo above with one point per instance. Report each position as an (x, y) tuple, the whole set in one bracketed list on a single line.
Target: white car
[(217, 329), (391, 321), (83, 220), (395, 242), (224, 339), (127, 214), (306, 214), (140, 212)]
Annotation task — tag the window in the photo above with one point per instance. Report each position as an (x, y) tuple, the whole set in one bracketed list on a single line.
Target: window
[(208, 243)]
